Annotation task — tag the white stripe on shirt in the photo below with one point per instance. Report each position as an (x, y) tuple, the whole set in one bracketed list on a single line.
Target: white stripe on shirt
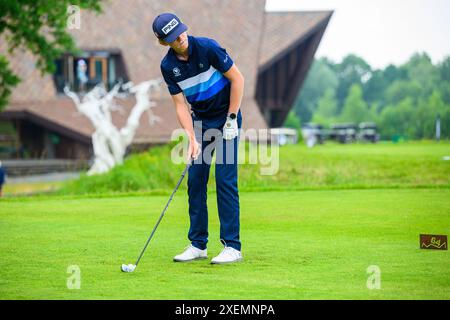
[(200, 78)]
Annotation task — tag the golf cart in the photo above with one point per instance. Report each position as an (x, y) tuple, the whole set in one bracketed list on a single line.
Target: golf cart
[(368, 132), (312, 134), (343, 132)]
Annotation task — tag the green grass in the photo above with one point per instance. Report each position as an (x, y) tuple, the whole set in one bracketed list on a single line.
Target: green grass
[(30, 188), (330, 166), (296, 245), (415, 164), (308, 232)]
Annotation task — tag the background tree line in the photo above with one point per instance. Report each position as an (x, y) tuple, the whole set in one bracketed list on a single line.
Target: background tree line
[(402, 100)]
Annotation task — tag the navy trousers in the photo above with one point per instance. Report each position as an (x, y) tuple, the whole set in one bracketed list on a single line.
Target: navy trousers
[(226, 166)]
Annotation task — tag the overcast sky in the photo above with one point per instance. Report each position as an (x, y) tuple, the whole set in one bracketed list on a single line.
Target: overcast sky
[(380, 31)]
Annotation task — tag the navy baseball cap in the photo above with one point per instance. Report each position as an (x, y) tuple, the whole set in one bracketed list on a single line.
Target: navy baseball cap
[(168, 27)]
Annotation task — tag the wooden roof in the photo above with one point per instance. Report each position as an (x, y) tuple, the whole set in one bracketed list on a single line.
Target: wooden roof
[(284, 29)]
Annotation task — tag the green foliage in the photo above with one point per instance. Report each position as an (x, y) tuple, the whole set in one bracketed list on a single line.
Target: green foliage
[(326, 108), (404, 100), (375, 86), (397, 119), (150, 170), (355, 108), (402, 89), (427, 113), (421, 70), (444, 83), (320, 78), (411, 121), (7, 128), (352, 70), (292, 121), (8, 80), (39, 27)]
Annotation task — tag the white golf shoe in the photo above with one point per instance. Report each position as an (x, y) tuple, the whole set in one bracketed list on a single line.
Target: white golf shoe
[(191, 253), (228, 255)]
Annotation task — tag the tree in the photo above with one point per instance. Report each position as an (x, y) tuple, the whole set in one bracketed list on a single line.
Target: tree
[(444, 81), (352, 70), (320, 78), (427, 113), (398, 119), (392, 73), (402, 89), (421, 70), (375, 87), (326, 108), (404, 100), (355, 108), (8, 80), (292, 121), (40, 27)]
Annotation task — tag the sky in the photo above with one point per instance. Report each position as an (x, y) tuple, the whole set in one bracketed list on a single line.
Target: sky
[(380, 31)]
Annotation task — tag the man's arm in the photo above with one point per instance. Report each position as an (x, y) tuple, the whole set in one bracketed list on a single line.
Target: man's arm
[(185, 119), (237, 88)]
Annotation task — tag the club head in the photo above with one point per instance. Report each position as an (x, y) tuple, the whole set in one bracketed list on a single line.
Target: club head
[(128, 267)]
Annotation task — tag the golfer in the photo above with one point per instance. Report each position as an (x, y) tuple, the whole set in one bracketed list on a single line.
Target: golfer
[(198, 70)]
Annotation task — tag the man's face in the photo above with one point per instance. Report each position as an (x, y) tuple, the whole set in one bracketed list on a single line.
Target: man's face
[(180, 44)]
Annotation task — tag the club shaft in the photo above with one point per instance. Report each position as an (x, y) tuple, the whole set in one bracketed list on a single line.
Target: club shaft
[(163, 212)]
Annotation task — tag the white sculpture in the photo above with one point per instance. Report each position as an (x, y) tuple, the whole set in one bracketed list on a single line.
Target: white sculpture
[(110, 143)]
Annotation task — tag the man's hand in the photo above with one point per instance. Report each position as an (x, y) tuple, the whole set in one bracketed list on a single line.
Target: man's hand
[(230, 129), (194, 149)]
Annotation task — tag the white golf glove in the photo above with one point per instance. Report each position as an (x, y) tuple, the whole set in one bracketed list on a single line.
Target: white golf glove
[(230, 129)]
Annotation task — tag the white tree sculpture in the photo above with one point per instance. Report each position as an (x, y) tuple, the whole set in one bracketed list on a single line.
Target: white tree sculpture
[(110, 143)]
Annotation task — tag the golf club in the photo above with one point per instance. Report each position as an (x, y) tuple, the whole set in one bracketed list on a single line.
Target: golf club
[(131, 267)]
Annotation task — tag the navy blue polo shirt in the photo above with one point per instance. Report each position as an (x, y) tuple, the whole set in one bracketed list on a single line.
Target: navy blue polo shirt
[(200, 78)]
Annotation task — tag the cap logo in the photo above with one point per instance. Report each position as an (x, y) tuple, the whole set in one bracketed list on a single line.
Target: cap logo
[(168, 27)]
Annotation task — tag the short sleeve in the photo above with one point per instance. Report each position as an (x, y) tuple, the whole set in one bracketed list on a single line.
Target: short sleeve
[(219, 57), (173, 87)]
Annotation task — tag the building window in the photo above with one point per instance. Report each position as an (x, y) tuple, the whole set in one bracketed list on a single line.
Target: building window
[(82, 73)]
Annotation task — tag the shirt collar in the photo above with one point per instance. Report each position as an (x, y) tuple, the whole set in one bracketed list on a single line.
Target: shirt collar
[(191, 42)]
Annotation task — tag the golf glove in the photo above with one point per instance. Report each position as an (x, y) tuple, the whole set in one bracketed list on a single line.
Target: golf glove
[(230, 129)]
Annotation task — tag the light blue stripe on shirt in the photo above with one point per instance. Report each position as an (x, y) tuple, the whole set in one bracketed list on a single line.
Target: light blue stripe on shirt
[(214, 89), (202, 87)]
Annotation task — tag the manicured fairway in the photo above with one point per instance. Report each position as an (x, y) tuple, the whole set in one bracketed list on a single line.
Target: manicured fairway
[(296, 245)]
